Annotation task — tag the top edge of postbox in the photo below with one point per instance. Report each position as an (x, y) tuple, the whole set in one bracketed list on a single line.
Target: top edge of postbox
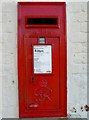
[(41, 3)]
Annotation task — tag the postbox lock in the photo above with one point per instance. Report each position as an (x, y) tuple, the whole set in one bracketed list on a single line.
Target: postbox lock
[(32, 79), (42, 40)]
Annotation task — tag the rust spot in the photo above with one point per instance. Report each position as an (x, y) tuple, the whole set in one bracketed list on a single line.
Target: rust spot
[(82, 109), (74, 109), (86, 107)]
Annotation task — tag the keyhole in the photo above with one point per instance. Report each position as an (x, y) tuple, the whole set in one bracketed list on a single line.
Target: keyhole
[(32, 79)]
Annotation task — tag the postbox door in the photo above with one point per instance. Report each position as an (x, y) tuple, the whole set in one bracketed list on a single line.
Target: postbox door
[(42, 89), (42, 68)]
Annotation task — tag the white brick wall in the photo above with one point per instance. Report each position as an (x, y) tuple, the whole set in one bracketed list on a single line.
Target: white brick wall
[(0, 60), (10, 86), (76, 58)]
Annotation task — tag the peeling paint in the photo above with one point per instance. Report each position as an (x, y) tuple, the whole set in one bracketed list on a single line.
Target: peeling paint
[(86, 108)]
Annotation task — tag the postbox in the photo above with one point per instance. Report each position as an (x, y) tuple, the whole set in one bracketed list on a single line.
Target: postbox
[(42, 77)]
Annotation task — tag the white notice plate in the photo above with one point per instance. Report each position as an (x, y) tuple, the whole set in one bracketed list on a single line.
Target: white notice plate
[(42, 59)]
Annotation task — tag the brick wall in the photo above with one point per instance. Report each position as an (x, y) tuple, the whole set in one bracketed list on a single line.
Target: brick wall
[(76, 59), (0, 60), (9, 43)]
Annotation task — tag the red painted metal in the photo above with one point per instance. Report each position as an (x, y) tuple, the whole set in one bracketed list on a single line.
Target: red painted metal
[(46, 96)]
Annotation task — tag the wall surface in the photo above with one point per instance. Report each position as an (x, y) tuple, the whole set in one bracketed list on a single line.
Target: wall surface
[(0, 60), (76, 59)]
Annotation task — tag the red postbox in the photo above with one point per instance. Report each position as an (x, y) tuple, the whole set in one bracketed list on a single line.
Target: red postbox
[(42, 65)]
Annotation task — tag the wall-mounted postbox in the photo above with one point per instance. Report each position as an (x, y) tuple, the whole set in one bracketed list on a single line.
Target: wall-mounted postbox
[(42, 59)]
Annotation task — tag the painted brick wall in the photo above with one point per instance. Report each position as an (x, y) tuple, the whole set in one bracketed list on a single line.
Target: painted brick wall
[(76, 59), (9, 48), (0, 59)]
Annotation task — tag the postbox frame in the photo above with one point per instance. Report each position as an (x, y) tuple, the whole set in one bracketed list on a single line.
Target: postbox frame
[(21, 61)]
